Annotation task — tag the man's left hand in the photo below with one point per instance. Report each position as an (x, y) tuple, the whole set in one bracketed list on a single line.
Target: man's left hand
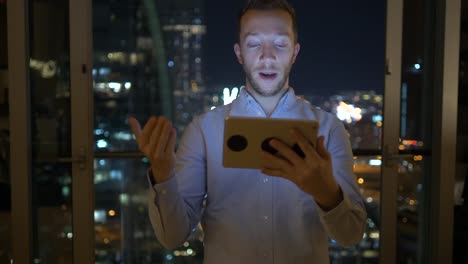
[(313, 173)]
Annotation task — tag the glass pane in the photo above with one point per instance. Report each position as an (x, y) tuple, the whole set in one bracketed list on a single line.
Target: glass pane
[(361, 113), (176, 59), (367, 170), (123, 230), (5, 186), (415, 131), (416, 97), (51, 135), (411, 181)]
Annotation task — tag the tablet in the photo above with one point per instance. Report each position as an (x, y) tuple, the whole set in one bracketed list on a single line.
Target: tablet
[(246, 137)]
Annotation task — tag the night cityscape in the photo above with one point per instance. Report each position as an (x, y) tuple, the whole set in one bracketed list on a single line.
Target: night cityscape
[(175, 58)]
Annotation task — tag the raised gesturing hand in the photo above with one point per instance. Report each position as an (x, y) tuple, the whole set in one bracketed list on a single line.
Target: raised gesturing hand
[(156, 141)]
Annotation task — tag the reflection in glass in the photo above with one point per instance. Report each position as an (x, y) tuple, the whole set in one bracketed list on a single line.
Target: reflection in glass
[(50, 121)]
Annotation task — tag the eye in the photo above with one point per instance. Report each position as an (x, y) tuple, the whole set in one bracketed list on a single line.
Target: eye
[(253, 45), (281, 45)]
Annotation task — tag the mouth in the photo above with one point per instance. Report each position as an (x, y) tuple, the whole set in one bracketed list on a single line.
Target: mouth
[(268, 76)]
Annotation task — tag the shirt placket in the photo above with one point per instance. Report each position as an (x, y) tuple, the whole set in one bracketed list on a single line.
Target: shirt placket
[(266, 219)]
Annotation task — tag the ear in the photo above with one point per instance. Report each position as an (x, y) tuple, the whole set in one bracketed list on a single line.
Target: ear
[(297, 48), (237, 51)]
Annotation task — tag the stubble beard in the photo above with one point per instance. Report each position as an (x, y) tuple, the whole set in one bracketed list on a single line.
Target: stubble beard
[(257, 89)]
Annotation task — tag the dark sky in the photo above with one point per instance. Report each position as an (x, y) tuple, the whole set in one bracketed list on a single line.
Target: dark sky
[(342, 46)]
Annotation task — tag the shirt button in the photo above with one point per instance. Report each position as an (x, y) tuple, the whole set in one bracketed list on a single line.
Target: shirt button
[(163, 191), (265, 180), (265, 217)]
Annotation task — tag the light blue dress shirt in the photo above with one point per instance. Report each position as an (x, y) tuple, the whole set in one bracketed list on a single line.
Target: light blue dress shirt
[(249, 217)]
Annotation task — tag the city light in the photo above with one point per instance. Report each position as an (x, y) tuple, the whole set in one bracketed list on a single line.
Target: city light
[(229, 96), (104, 71), (100, 216), (66, 191), (192, 29), (417, 66), (115, 86), (116, 174), (124, 136), (360, 181), (46, 68), (377, 118), (111, 213), (102, 143), (375, 162), (128, 85), (374, 235), (123, 197), (349, 113)]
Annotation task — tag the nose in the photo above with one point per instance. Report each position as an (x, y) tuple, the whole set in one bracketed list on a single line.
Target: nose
[(268, 52)]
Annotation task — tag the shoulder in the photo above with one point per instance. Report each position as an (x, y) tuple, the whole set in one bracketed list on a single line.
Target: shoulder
[(326, 119), (211, 119)]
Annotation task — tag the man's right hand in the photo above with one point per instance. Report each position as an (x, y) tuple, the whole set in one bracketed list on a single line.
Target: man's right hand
[(156, 141)]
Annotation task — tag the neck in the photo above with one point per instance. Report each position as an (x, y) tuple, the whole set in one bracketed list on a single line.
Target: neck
[(268, 103)]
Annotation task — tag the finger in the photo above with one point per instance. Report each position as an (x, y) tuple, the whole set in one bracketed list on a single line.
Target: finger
[(321, 149), (154, 139), (135, 126), (271, 161), (170, 147), (147, 131), (163, 139), (303, 143), (286, 151)]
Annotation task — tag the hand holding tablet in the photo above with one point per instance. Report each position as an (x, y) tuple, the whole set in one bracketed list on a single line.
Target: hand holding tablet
[(245, 138)]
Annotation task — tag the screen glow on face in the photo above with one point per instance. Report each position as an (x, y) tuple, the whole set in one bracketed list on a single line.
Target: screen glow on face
[(267, 50)]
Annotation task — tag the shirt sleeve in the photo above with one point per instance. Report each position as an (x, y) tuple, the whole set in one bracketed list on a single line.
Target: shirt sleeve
[(346, 222), (175, 206)]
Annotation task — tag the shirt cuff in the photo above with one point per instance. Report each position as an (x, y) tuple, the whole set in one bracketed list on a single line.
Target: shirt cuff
[(342, 208), (161, 189)]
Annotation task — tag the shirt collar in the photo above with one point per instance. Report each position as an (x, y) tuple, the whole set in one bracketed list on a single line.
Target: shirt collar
[(246, 102)]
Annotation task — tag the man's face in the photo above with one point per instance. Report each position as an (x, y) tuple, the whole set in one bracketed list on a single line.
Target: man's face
[(267, 50)]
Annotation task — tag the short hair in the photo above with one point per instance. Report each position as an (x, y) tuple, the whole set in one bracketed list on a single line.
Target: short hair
[(268, 5)]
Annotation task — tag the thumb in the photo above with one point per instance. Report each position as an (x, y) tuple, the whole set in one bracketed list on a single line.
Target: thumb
[(135, 126), (172, 139)]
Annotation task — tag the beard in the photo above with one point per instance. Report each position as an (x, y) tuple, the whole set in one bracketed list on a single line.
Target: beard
[(276, 89)]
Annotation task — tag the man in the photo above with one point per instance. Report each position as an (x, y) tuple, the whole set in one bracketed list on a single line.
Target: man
[(283, 213)]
